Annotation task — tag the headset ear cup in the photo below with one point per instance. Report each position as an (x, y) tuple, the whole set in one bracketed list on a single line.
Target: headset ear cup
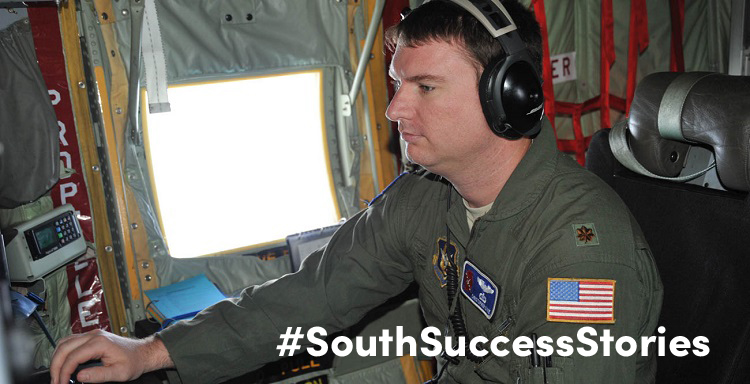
[(522, 98), (491, 97), (511, 96)]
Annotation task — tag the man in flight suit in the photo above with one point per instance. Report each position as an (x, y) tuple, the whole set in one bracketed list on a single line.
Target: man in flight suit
[(504, 235)]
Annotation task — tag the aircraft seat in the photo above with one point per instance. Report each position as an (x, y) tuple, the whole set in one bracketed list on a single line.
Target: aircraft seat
[(698, 230)]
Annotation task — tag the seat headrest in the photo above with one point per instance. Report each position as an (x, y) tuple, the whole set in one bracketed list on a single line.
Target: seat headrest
[(672, 111)]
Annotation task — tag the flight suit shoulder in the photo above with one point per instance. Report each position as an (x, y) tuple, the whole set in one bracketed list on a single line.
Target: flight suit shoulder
[(583, 218)]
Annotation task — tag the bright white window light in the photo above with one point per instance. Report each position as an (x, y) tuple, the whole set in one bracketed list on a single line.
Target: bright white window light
[(240, 163)]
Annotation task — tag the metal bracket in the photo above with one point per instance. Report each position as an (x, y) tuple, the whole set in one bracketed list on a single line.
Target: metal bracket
[(345, 105), (364, 58)]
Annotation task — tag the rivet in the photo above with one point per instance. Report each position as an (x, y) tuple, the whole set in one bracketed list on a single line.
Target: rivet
[(134, 225), (112, 52), (228, 17), (81, 85), (95, 168), (145, 264), (105, 16), (118, 110), (123, 329), (108, 248), (147, 278), (124, 12), (674, 156), (249, 17)]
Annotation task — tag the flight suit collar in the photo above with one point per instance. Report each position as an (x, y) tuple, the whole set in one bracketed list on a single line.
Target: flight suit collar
[(459, 228), (527, 181), (524, 186)]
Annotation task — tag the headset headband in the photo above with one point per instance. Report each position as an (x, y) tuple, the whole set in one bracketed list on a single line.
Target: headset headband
[(496, 19)]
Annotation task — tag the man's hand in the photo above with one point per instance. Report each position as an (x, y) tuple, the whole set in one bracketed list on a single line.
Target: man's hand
[(122, 358)]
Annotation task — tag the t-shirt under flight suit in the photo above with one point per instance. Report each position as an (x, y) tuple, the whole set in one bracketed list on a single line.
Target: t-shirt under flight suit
[(552, 226)]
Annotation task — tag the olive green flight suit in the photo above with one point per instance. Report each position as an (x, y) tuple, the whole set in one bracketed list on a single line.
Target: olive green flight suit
[(532, 233)]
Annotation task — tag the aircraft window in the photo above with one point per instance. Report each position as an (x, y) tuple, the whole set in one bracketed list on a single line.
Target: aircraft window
[(237, 164)]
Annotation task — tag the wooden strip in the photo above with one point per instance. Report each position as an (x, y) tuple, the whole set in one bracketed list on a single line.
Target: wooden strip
[(140, 265), (427, 369), (366, 187), (411, 373), (87, 142)]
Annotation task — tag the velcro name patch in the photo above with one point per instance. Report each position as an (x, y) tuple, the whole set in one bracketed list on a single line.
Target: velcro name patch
[(479, 289)]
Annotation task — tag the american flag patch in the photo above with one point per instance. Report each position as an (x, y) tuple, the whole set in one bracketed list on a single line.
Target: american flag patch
[(581, 300)]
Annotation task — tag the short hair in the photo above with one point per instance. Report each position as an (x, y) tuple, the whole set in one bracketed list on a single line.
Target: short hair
[(441, 20)]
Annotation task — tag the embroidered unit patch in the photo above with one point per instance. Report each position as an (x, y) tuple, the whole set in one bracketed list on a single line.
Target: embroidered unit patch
[(479, 289), (581, 300), (585, 234), (440, 259)]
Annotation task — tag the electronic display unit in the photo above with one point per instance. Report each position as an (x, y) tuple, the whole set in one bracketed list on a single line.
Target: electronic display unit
[(44, 243)]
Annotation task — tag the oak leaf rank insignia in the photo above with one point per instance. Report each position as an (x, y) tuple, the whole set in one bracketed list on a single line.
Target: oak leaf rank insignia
[(585, 234)]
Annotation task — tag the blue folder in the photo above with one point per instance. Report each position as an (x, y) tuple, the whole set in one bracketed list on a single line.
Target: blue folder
[(184, 299)]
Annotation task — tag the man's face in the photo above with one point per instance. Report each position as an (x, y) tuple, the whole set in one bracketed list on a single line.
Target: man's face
[(437, 107)]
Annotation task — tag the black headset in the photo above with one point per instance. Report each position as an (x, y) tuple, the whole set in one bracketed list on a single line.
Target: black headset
[(510, 89)]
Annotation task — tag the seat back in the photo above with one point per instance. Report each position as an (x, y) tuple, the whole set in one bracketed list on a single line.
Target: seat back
[(700, 237)]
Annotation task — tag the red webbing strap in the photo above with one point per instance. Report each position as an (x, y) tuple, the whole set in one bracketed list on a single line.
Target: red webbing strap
[(580, 143), (677, 59), (547, 85), (616, 102), (607, 58), (637, 44)]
